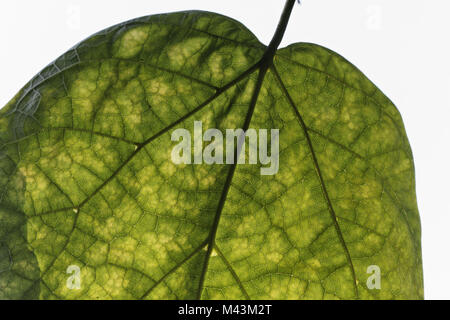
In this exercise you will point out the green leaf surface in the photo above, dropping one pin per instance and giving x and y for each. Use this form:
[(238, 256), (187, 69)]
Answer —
[(86, 176)]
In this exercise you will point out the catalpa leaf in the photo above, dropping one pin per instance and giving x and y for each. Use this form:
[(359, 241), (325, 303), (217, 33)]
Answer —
[(93, 207)]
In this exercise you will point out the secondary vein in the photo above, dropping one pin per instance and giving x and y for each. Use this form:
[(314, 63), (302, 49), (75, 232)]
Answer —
[(319, 175)]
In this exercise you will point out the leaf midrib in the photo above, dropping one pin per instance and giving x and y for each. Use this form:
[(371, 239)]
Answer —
[(263, 66), (231, 171)]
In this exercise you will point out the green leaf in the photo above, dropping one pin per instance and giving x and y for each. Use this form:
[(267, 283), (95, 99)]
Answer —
[(86, 177)]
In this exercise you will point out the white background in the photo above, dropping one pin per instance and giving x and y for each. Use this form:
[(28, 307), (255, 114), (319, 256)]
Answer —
[(403, 46)]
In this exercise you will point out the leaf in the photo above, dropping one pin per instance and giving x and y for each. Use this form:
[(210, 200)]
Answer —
[(86, 177)]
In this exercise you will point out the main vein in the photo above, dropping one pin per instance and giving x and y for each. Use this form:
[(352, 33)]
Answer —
[(263, 65), (226, 188)]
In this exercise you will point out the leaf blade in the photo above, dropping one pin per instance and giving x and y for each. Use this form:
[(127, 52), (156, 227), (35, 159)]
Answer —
[(90, 134)]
